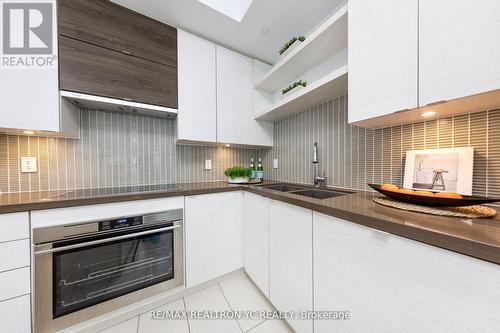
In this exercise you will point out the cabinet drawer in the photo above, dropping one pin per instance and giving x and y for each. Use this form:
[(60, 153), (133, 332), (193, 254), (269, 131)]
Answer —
[(90, 69), (14, 283), (14, 226), (15, 315), (117, 28), (14, 254)]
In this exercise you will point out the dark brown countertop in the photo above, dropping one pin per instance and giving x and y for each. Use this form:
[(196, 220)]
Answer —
[(478, 238)]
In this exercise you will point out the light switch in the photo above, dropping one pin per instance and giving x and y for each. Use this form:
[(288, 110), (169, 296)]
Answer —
[(275, 163), (28, 164), (208, 164)]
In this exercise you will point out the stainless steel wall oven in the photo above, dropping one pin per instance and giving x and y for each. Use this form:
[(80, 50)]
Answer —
[(84, 270)]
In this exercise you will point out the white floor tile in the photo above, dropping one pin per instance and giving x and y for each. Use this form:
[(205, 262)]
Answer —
[(129, 326), (210, 299), (272, 326), (148, 325), (243, 295)]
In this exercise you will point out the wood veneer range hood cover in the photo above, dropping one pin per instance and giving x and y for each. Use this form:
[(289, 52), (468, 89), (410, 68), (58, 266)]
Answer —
[(119, 105)]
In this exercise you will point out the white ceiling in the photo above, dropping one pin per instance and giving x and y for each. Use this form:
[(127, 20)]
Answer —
[(284, 18)]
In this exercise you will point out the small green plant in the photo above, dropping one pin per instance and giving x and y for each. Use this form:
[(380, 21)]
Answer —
[(293, 85), (290, 42), (237, 172)]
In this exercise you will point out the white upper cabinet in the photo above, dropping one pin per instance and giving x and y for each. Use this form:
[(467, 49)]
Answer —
[(197, 115), (216, 95), (459, 48), (382, 57), (235, 99), (30, 92), (262, 130)]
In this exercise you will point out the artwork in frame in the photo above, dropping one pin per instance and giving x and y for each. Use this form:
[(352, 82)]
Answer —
[(441, 170)]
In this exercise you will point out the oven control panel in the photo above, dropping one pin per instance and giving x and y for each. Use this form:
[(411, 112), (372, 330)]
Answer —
[(120, 223)]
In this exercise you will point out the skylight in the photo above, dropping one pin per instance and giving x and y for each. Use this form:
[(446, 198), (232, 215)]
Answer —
[(235, 9)]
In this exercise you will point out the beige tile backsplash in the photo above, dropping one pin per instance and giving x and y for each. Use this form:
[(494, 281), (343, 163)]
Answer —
[(121, 149)]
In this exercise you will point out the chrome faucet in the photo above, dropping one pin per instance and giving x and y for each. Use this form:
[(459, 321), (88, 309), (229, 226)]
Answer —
[(318, 180)]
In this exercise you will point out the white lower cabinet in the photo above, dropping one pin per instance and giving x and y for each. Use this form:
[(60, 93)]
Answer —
[(290, 263), (128, 326), (256, 239), (15, 315), (214, 235), (392, 284)]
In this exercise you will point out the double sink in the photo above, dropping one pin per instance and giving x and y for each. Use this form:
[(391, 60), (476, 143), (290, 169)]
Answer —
[(305, 191)]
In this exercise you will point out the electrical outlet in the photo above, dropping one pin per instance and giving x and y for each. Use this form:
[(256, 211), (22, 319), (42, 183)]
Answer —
[(28, 164), (208, 164), (275, 163)]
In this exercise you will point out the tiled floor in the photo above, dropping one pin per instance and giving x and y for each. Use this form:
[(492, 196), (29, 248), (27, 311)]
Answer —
[(237, 294)]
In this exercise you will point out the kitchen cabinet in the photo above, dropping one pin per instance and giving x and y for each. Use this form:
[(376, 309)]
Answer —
[(290, 261), (235, 99), (391, 284), (256, 239), (30, 95), (128, 326), (216, 95), (117, 28), (104, 72), (109, 51), (459, 48), (15, 315), (197, 118), (214, 236), (383, 62), (262, 130)]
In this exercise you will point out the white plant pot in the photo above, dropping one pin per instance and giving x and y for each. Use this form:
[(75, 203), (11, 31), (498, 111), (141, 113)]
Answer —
[(239, 180), (292, 91), (293, 46)]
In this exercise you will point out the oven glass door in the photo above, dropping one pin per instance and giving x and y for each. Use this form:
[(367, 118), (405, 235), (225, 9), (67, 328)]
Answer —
[(86, 276)]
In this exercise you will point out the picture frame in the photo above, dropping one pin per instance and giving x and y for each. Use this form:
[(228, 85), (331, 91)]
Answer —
[(440, 170)]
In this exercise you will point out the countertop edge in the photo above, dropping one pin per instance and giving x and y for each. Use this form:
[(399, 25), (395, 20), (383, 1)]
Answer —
[(463, 246)]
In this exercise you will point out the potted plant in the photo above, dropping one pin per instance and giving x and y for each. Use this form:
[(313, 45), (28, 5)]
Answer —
[(238, 174), (292, 88), (290, 45)]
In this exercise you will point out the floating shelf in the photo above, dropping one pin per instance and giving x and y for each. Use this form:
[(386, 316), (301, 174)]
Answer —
[(329, 86), (328, 39)]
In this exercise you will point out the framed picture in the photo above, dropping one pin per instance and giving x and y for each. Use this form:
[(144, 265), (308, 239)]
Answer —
[(442, 170)]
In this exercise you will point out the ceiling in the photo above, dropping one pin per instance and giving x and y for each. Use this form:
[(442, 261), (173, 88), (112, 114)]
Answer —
[(284, 18)]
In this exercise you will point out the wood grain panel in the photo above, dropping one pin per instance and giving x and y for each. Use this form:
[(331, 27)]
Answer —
[(90, 69), (109, 25)]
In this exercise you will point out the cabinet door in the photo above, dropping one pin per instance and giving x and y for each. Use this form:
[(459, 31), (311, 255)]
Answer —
[(262, 130), (197, 117), (392, 284), (235, 100), (214, 236), (90, 69), (382, 57), (109, 25), (290, 261), (15, 315), (459, 48), (256, 239), (30, 94)]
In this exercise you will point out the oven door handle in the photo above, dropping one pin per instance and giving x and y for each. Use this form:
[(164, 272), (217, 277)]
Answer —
[(102, 241)]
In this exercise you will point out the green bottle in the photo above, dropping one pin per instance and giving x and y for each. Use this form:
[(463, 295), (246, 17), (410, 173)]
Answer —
[(252, 167), (260, 170)]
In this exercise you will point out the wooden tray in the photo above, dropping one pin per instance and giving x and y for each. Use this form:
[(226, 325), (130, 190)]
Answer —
[(434, 201)]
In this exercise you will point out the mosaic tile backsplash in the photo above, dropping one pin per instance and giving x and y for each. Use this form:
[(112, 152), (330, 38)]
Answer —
[(352, 156), (114, 150), (121, 150)]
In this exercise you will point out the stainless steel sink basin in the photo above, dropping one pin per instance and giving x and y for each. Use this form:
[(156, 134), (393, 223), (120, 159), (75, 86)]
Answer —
[(319, 194), (284, 187), (316, 193)]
